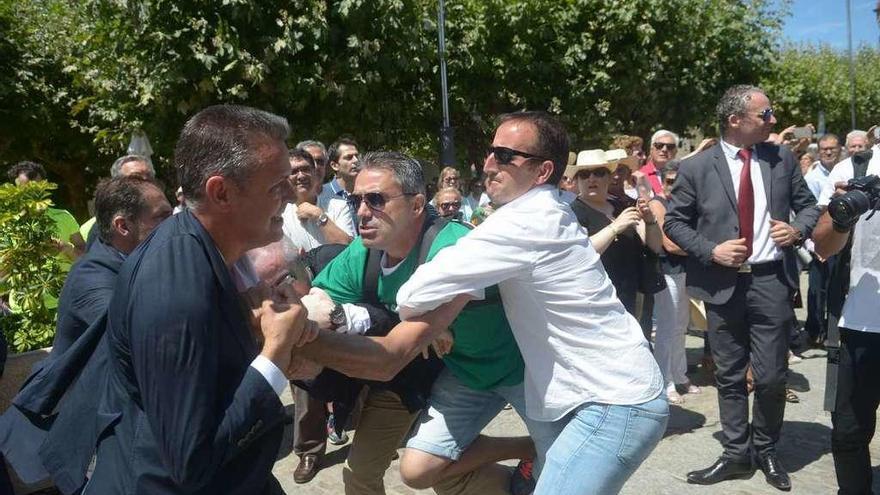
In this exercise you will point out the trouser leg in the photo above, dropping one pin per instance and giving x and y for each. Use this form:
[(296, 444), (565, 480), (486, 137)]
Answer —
[(310, 425)]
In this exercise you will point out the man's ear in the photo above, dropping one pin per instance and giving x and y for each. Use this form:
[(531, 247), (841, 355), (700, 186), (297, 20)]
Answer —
[(418, 203), (120, 226), (545, 171), (733, 120), (220, 192)]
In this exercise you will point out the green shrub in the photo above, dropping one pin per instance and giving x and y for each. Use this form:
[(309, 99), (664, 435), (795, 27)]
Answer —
[(29, 267)]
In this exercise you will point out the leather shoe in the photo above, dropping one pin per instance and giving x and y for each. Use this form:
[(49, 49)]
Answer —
[(774, 473), (306, 469), (723, 469)]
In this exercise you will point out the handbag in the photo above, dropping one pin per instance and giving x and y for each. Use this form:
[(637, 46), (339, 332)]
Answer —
[(651, 280)]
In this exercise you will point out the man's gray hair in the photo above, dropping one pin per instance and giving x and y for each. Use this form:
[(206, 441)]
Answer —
[(223, 140), (855, 135), (310, 143), (662, 133), (116, 168), (407, 170), (734, 101)]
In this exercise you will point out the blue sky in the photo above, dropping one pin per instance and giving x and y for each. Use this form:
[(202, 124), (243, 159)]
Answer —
[(824, 21)]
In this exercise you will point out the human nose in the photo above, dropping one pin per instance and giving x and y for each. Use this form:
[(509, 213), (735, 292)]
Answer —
[(490, 160)]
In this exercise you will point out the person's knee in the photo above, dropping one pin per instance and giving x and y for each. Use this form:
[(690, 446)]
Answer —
[(419, 470)]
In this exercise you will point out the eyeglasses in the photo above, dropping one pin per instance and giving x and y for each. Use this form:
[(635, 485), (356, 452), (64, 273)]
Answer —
[(585, 174), (766, 115), (668, 146), (375, 201), (450, 204), (449, 180), (504, 156), (669, 182)]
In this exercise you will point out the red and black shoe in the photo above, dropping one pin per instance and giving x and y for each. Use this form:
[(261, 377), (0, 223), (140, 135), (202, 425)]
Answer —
[(522, 482)]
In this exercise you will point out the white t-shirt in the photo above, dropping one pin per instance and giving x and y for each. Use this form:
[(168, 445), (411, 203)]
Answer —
[(578, 342), (864, 279)]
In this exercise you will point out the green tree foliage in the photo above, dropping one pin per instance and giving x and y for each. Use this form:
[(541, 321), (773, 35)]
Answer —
[(808, 79), (370, 68), (29, 267)]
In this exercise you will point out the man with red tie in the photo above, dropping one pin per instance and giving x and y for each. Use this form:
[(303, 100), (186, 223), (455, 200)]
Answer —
[(730, 210)]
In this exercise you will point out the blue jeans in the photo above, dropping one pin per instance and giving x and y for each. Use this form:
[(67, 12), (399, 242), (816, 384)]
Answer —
[(600, 447)]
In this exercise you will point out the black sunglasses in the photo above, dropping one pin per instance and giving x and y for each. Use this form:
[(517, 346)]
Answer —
[(669, 182), (504, 156), (450, 204), (766, 115), (668, 146), (375, 201), (598, 172)]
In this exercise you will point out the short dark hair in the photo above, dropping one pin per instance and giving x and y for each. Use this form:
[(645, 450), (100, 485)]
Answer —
[(122, 195), (406, 169), (301, 155), (333, 151), (734, 101), (33, 171), (221, 140), (553, 142), (829, 136)]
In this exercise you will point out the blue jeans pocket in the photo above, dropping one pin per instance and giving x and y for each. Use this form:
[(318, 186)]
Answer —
[(645, 425)]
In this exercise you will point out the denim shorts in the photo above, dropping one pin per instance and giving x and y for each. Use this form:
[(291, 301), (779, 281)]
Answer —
[(456, 414)]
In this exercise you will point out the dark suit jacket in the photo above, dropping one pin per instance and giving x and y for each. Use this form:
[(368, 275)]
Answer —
[(703, 213), (84, 299), (183, 412)]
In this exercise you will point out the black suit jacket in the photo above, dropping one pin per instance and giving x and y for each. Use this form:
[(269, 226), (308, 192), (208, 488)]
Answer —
[(84, 299), (183, 412), (703, 213)]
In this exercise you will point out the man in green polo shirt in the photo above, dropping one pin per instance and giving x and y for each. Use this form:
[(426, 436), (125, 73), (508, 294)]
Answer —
[(484, 369)]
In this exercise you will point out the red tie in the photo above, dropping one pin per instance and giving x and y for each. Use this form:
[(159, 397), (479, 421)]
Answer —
[(746, 200)]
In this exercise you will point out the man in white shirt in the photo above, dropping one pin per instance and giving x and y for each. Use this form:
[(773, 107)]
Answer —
[(858, 390), (306, 223), (586, 361)]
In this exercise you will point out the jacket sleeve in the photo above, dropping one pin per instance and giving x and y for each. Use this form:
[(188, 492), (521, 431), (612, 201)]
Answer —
[(803, 202), (681, 216), (177, 364)]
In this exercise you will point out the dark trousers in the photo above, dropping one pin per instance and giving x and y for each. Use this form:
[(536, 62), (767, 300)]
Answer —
[(817, 298), (752, 327), (855, 415), (310, 425)]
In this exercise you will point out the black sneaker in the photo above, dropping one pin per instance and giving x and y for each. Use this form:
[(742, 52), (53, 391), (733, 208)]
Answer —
[(522, 482)]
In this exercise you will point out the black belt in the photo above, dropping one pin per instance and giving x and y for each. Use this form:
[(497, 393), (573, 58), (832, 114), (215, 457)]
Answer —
[(760, 269)]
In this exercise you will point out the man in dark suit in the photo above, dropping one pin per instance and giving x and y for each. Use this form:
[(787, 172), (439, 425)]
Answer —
[(192, 403), (128, 209), (742, 264)]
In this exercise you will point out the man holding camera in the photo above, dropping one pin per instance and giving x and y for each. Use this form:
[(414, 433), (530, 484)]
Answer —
[(850, 196)]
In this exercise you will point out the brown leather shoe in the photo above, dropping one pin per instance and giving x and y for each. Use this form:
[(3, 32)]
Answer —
[(307, 469)]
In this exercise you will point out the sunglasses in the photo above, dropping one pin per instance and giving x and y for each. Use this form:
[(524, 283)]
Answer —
[(669, 182), (585, 174), (504, 156), (766, 115), (450, 204), (668, 146), (374, 200)]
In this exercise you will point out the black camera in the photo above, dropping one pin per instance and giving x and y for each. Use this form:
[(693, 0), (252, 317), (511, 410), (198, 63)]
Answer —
[(862, 194)]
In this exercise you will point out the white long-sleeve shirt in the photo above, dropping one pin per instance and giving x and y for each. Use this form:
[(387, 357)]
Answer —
[(578, 342)]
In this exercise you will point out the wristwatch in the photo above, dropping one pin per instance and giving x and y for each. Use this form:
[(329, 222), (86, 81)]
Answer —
[(322, 220), (337, 316)]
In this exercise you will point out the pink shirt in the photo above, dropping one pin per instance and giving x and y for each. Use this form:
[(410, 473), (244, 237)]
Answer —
[(653, 176)]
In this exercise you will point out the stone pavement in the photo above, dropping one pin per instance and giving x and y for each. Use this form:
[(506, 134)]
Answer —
[(691, 442)]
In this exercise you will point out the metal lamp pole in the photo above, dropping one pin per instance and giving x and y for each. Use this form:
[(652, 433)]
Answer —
[(447, 143)]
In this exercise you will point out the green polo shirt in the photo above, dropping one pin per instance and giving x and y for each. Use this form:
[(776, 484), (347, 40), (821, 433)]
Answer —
[(484, 354)]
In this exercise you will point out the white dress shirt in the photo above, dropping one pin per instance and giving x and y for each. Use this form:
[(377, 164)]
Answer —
[(816, 179), (333, 200), (578, 342), (763, 247), (860, 308)]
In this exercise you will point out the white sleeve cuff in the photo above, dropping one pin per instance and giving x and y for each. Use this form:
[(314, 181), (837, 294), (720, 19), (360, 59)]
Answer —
[(271, 373), (357, 318)]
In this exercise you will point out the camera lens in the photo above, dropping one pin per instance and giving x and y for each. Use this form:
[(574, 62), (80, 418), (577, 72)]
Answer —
[(846, 209)]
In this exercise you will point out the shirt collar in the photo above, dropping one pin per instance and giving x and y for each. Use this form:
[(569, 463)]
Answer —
[(731, 151), (336, 187)]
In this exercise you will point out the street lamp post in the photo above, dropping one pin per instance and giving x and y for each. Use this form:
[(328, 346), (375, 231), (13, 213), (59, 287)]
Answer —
[(447, 143)]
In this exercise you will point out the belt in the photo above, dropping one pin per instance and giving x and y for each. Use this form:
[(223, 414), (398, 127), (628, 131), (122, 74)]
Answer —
[(761, 268)]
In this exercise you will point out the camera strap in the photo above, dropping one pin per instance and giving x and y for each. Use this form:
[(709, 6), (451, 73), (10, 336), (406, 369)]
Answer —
[(838, 287)]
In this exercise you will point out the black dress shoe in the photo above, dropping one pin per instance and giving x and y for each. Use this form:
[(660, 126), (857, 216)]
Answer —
[(774, 472), (723, 469), (307, 469)]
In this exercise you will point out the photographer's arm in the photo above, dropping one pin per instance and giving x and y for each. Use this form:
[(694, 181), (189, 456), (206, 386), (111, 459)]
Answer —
[(828, 240)]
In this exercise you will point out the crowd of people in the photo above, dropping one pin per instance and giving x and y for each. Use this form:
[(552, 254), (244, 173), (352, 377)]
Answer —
[(553, 282)]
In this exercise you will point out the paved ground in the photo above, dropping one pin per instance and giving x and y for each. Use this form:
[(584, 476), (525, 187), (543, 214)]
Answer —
[(691, 442)]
